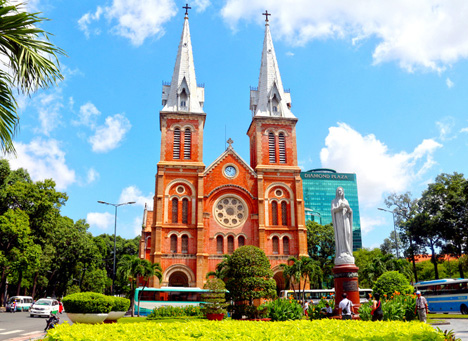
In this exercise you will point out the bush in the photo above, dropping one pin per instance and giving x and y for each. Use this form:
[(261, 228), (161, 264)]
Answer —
[(390, 282), (398, 307), (120, 303), (315, 310), (88, 303), (214, 300), (300, 330), (283, 310), (170, 311)]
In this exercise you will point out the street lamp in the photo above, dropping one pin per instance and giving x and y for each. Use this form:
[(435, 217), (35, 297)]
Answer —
[(115, 233), (394, 229)]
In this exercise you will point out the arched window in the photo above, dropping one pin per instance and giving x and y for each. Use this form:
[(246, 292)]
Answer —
[(173, 243), (274, 213), (187, 144), (176, 152), (175, 210), (240, 241), (185, 211), (286, 246), (275, 242), (184, 243), (282, 148), (183, 99), (230, 241), (271, 147), (284, 213), (220, 245)]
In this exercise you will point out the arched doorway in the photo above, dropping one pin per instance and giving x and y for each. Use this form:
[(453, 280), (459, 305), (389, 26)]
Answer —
[(280, 283), (178, 279)]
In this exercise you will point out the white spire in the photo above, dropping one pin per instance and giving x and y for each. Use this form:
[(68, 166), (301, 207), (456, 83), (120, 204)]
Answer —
[(270, 99), (183, 94)]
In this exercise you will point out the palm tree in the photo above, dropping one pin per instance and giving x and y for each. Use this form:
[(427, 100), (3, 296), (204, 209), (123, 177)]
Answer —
[(132, 267), (221, 269), (32, 63), (304, 269)]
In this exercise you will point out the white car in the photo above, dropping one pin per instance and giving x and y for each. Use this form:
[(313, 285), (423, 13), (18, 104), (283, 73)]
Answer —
[(44, 307)]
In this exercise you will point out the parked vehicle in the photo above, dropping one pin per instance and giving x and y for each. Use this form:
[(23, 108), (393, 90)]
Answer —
[(23, 303), (44, 307), (445, 295)]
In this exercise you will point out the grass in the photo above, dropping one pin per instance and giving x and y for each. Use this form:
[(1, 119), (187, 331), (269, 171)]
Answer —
[(161, 320), (447, 316)]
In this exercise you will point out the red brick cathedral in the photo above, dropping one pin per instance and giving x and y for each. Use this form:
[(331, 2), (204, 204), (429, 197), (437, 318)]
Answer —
[(203, 212)]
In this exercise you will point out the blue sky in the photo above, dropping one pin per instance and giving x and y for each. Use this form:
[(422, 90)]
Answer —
[(379, 88)]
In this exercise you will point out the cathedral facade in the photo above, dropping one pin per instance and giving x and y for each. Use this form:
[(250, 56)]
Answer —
[(201, 213)]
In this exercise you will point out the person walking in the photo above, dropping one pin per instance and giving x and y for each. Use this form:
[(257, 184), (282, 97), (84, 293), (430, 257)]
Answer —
[(306, 308), (377, 313), (421, 307), (345, 308)]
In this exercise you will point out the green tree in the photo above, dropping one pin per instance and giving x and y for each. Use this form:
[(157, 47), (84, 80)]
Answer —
[(321, 247), (249, 277), (390, 244), (303, 270), (148, 270), (362, 258), (32, 60), (392, 281)]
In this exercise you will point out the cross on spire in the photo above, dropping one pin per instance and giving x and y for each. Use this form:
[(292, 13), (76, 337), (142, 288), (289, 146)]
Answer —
[(266, 14), (230, 142), (186, 7)]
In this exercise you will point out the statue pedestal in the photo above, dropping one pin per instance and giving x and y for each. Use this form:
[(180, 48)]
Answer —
[(346, 281)]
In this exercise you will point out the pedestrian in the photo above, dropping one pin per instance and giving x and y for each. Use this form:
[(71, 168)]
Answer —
[(60, 307), (327, 311), (13, 306), (345, 308), (421, 307), (306, 308), (377, 313)]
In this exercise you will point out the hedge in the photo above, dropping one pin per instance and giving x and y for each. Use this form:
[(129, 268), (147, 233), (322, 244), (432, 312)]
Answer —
[(120, 303), (330, 330), (88, 302)]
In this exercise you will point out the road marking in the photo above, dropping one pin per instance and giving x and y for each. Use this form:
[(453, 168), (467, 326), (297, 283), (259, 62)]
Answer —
[(12, 331), (36, 332)]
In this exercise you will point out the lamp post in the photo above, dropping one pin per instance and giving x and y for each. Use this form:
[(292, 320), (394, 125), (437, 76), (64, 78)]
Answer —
[(115, 233), (394, 229)]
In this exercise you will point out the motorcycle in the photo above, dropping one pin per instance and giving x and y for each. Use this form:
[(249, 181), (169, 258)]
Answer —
[(51, 322)]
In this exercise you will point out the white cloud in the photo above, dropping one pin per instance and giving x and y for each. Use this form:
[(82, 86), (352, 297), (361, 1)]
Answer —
[(136, 20), (201, 5), (369, 223), (417, 34), (449, 83), (110, 135), (136, 226), (48, 106), (102, 221), (132, 193), (44, 160), (92, 175), (378, 171), (464, 130), (289, 54), (445, 127), (87, 116)]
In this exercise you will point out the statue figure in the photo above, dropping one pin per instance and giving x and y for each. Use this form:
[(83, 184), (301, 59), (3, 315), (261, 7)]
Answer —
[(342, 216)]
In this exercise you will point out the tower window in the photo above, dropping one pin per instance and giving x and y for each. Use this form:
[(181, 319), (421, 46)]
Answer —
[(275, 242), (240, 241), (282, 148), (175, 210), (284, 213), (274, 213), (184, 243), (187, 143), (286, 246), (271, 148), (230, 241), (183, 104), (176, 153), (275, 108), (219, 245), (173, 243), (184, 211)]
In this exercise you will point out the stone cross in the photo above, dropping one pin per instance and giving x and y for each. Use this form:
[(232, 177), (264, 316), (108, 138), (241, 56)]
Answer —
[(230, 142), (266, 14)]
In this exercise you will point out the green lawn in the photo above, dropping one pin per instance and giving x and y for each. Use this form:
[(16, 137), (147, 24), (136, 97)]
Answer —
[(447, 316), (162, 320)]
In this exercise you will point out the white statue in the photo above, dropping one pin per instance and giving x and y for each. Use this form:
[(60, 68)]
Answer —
[(342, 216)]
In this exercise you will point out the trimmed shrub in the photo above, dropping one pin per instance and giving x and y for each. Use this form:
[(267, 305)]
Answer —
[(120, 303), (283, 310), (88, 303), (215, 299), (390, 282), (170, 311), (398, 307), (315, 310)]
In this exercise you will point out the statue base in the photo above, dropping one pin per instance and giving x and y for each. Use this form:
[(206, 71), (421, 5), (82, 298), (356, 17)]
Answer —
[(346, 281)]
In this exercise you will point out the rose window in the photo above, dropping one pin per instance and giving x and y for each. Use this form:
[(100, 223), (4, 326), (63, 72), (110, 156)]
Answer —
[(230, 211)]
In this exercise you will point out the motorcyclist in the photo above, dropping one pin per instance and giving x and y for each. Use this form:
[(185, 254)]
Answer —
[(51, 322)]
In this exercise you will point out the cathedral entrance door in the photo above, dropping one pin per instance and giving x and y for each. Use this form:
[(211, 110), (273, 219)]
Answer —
[(178, 279)]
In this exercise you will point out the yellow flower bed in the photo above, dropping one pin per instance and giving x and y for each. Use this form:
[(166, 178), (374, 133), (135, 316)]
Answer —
[(248, 330)]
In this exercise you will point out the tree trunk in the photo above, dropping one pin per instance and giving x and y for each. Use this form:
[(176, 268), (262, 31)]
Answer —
[(413, 260), (434, 261), (20, 279), (33, 294)]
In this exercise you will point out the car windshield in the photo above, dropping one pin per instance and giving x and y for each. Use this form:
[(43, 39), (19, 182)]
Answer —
[(43, 302)]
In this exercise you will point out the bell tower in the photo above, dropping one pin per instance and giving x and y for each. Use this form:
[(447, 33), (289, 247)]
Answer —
[(273, 155)]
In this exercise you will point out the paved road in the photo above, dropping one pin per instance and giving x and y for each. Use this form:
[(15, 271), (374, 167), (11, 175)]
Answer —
[(19, 326), (459, 326)]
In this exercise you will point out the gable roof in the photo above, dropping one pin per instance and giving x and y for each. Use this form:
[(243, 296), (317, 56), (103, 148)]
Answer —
[(229, 151)]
